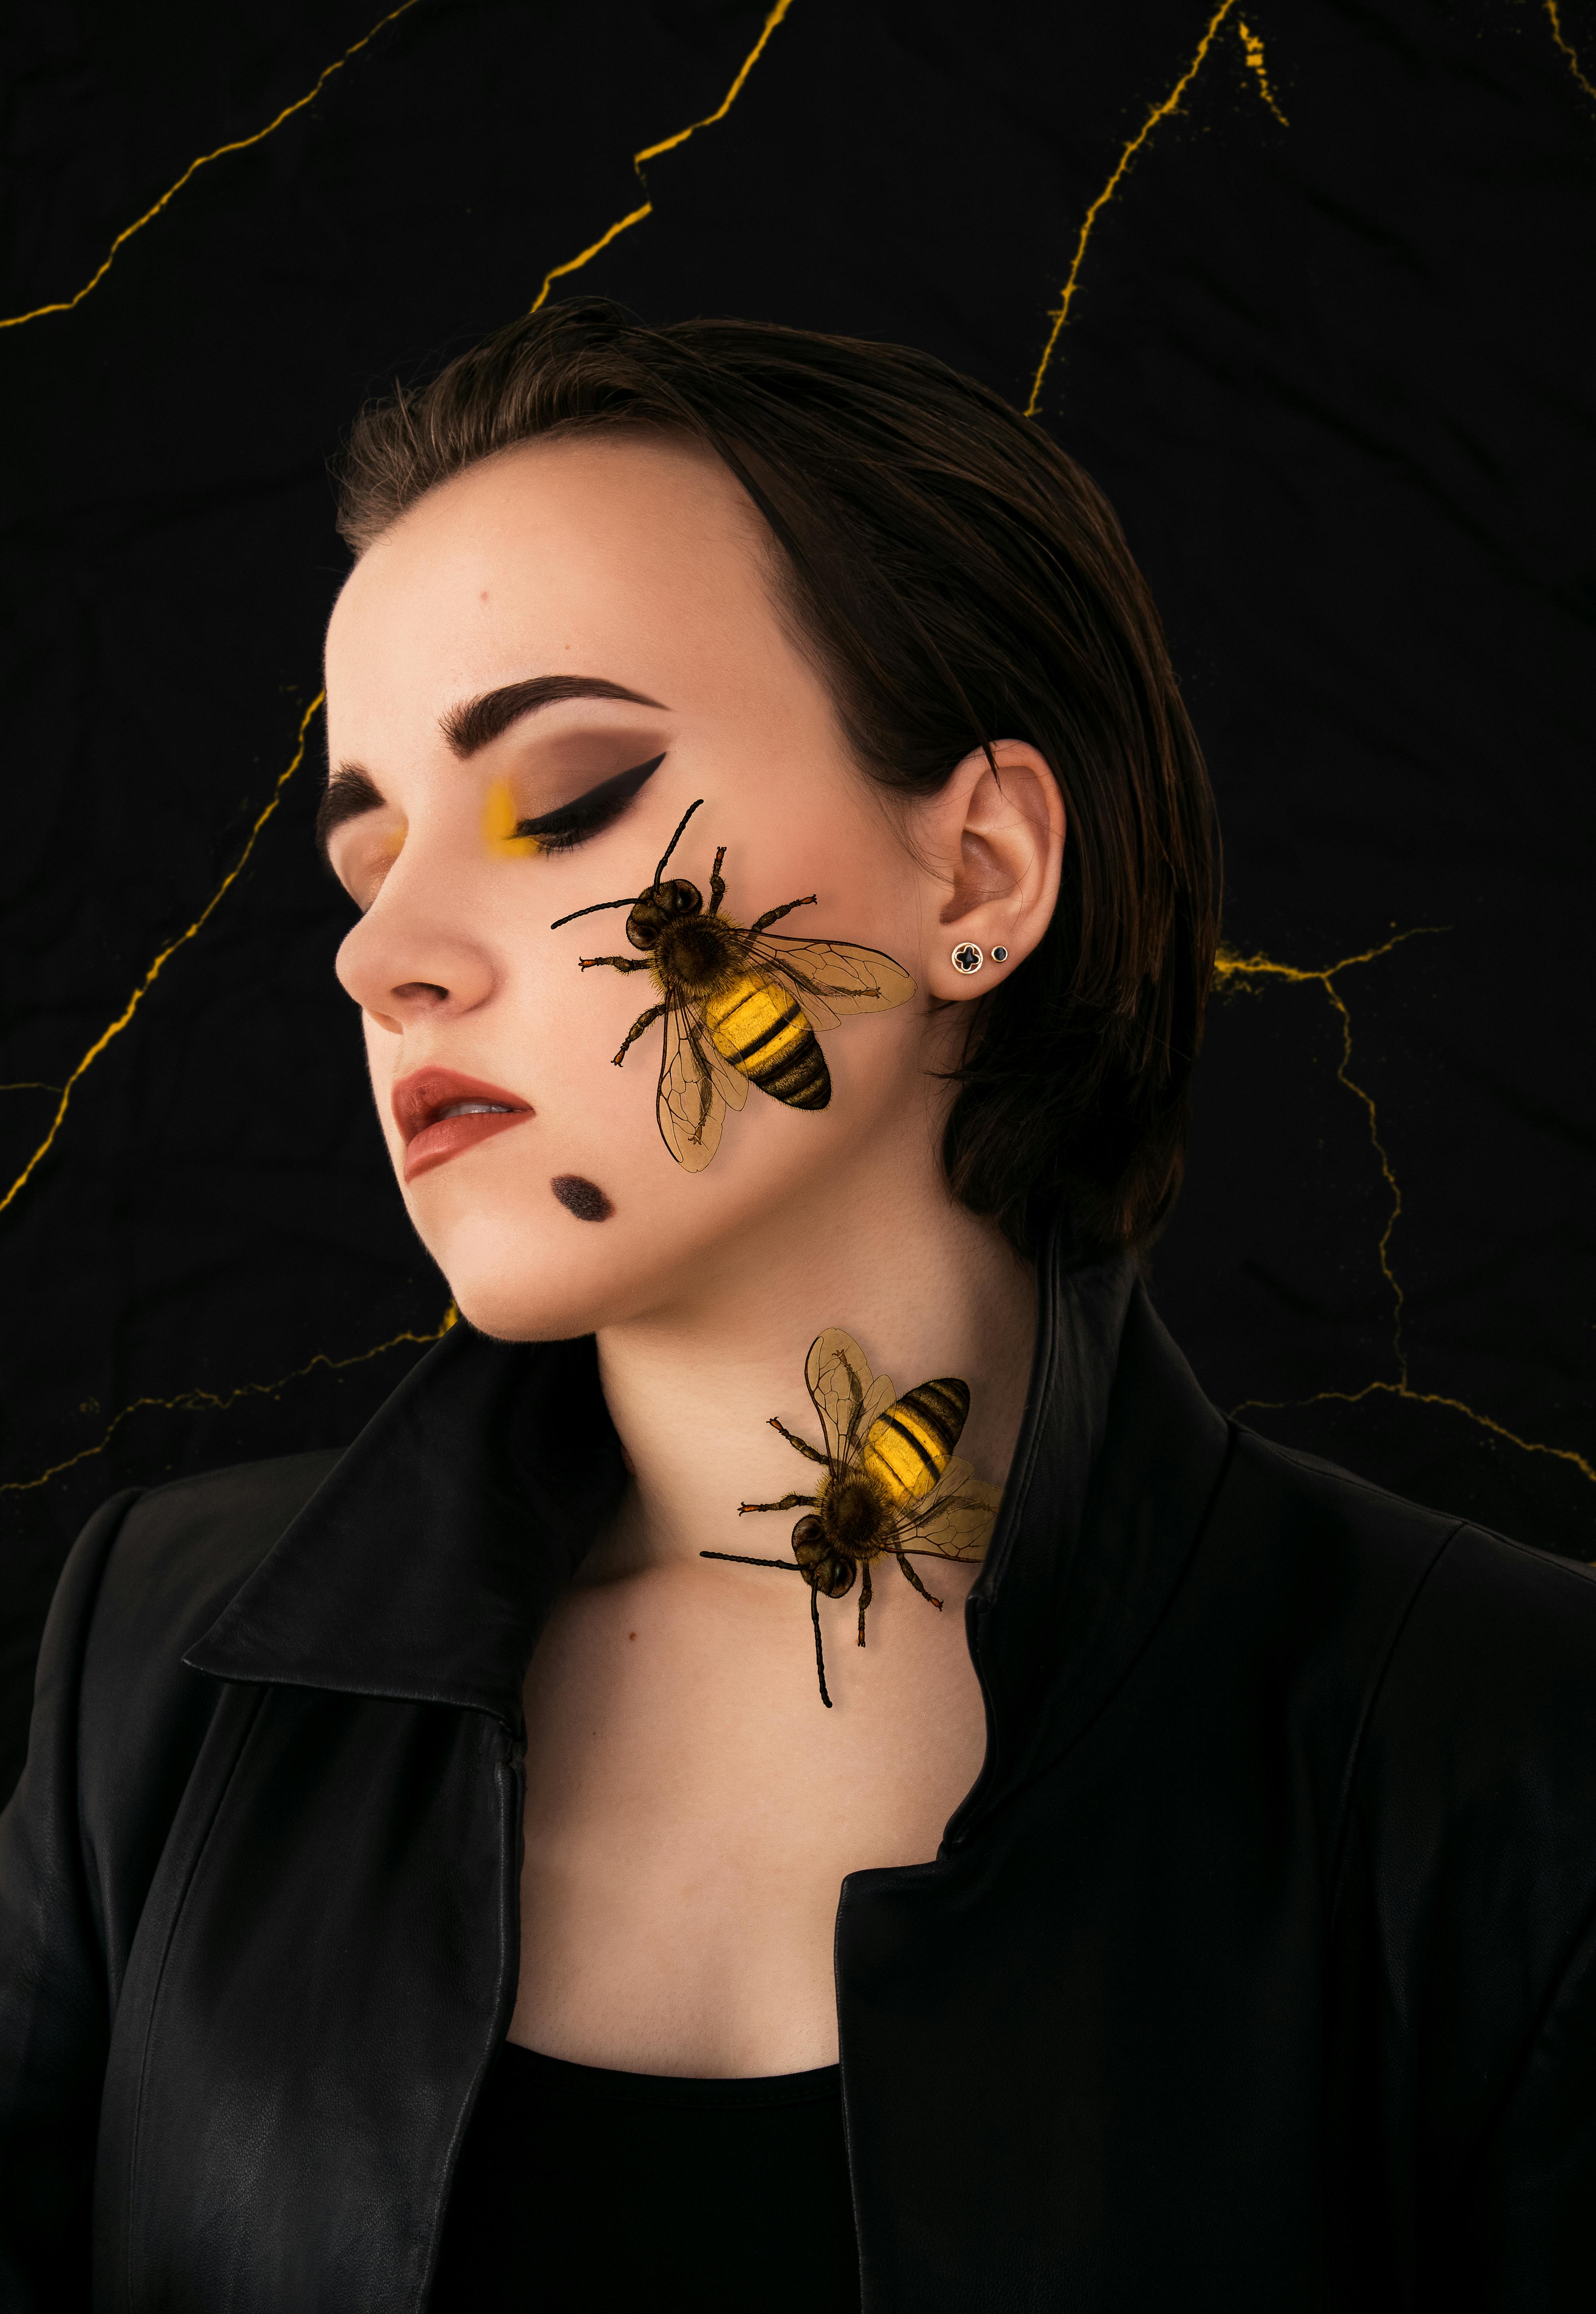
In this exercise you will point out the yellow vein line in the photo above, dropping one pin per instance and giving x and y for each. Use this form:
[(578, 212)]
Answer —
[(1403, 1389), (1160, 112), (1229, 966), (30, 1084), (665, 145), (575, 264), (151, 976), (1242, 969), (1567, 46), (210, 1402), (1255, 63), (239, 144), (669, 144)]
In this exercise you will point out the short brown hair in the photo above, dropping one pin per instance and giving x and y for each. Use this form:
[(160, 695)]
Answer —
[(961, 581)]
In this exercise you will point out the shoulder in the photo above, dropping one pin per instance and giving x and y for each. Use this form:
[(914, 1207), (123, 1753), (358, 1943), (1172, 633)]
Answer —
[(179, 1554), (182, 1549), (1445, 1599), (1463, 1669), (118, 1719)]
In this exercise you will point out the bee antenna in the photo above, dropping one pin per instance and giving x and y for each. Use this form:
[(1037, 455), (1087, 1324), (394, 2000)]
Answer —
[(670, 847), (599, 906), (597, 909)]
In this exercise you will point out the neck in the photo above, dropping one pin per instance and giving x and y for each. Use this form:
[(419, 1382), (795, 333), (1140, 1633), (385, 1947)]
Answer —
[(930, 1291)]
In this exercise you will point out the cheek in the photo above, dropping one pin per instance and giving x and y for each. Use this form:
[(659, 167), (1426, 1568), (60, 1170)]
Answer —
[(517, 1224)]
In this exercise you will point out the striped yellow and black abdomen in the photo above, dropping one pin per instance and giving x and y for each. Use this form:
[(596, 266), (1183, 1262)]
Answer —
[(759, 1027), (907, 1449)]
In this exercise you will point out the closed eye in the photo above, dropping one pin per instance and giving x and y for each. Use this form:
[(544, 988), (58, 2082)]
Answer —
[(586, 815)]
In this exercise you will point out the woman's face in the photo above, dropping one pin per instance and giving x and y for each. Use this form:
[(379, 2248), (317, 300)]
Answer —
[(634, 566)]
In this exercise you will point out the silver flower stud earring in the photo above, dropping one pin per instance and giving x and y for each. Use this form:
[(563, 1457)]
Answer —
[(967, 957)]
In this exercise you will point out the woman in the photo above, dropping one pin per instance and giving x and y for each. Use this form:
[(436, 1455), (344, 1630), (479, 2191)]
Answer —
[(471, 1869)]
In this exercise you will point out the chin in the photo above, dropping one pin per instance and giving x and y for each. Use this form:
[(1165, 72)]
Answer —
[(520, 1265), (523, 1266), (547, 1275), (523, 1284)]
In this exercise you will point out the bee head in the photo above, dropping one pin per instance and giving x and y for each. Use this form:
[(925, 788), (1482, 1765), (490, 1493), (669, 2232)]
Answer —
[(662, 905), (831, 1574)]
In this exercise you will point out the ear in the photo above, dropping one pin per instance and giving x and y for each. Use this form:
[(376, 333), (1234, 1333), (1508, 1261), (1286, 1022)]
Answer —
[(995, 847)]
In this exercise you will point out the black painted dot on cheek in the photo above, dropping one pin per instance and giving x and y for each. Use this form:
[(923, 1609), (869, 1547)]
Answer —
[(582, 1197)]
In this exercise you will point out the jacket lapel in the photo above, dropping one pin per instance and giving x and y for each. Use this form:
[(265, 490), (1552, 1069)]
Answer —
[(1118, 1458), (423, 1567)]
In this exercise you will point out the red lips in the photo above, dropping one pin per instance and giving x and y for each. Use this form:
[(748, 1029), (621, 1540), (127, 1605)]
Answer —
[(430, 1137)]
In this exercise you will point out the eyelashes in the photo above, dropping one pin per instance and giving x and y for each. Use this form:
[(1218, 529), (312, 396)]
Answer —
[(587, 816)]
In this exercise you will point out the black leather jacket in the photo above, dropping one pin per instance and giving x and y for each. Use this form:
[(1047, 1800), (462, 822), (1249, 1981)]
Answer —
[(1256, 1972)]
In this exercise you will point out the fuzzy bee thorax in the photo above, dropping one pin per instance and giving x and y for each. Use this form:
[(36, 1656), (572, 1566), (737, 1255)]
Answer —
[(855, 1515), (695, 951)]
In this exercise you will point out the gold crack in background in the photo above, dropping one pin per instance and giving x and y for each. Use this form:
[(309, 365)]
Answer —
[(1567, 46), (652, 153), (239, 144), (91, 1056), (189, 932), (1255, 64), (1161, 112), (211, 1401), (1245, 972)]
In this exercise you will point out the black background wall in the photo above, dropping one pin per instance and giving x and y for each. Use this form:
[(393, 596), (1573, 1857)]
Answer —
[(1329, 349)]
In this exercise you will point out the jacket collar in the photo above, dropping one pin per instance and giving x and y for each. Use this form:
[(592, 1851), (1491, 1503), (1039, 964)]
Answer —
[(424, 1566), (1118, 1459)]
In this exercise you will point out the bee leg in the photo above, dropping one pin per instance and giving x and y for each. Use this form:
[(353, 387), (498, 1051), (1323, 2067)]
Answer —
[(802, 1445), (913, 1579), (770, 915), (786, 1503), (644, 1020), (819, 1650), (864, 1600), (620, 963), (717, 883)]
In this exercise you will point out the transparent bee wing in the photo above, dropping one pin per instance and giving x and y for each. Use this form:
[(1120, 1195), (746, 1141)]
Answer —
[(877, 1399), (956, 1519), (847, 1395), (833, 977), (695, 1087)]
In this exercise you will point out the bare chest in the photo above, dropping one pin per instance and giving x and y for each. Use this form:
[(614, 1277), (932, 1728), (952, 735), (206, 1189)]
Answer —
[(692, 1809)]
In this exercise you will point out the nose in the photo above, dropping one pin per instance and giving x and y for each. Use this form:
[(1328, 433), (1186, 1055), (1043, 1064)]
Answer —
[(405, 965)]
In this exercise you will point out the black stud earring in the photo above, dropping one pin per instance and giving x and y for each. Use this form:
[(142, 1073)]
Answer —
[(999, 956), (968, 957)]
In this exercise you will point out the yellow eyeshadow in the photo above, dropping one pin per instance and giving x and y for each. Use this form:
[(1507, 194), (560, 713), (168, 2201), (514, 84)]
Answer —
[(500, 820)]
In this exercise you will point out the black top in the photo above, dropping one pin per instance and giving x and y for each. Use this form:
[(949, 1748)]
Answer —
[(1257, 1972), (723, 2195)]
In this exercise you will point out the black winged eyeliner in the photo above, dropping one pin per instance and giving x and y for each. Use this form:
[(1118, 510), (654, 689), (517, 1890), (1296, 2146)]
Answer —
[(570, 824)]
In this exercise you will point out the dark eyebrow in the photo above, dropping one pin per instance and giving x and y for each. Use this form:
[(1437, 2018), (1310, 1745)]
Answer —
[(347, 794), (476, 721)]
